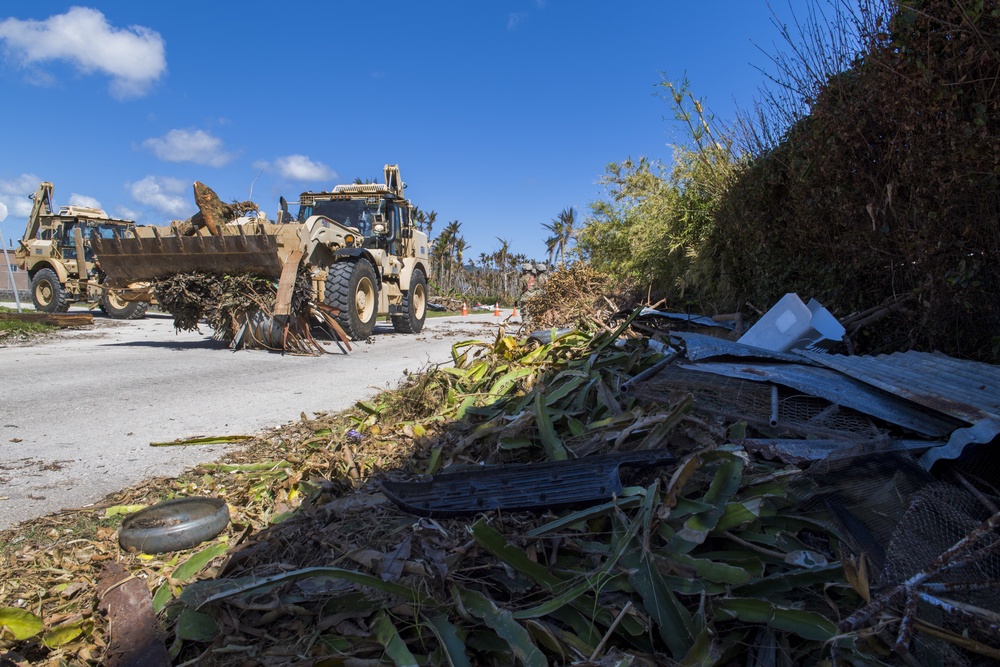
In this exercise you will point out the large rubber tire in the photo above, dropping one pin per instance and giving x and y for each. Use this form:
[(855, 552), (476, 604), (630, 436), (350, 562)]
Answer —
[(117, 309), (352, 287), (414, 306), (47, 293)]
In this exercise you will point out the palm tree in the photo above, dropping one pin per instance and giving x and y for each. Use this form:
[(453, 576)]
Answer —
[(428, 222), (503, 252), (460, 247), (551, 245), (451, 239), (562, 229)]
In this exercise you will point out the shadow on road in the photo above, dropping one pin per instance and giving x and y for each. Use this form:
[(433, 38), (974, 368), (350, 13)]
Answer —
[(206, 343)]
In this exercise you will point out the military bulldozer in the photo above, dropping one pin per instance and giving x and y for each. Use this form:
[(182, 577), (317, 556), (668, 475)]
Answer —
[(365, 256), (58, 256)]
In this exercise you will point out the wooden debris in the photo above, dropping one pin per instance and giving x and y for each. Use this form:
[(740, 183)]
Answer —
[(241, 308), (62, 320), (576, 296), (212, 213), (136, 637)]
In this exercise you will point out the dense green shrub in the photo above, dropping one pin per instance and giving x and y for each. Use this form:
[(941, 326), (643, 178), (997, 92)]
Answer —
[(888, 187)]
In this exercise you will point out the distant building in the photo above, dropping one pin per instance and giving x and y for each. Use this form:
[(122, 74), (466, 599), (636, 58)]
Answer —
[(20, 277)]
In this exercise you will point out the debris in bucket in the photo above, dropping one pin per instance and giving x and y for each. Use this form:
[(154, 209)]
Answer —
[(239, 309)]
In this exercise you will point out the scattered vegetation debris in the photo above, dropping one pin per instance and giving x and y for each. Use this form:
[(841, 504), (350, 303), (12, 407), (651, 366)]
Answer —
[(720, 556), (577, 296), (206, 440)]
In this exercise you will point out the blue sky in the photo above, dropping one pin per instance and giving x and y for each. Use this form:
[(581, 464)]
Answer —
[(500, 114)]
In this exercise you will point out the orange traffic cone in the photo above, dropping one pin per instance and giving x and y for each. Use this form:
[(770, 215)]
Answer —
[(465, 309), (514, 314), (496, 309)]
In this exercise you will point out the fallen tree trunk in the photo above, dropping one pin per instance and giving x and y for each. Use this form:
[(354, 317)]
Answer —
[(212, 212)]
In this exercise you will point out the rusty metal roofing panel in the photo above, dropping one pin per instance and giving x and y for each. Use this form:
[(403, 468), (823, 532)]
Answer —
[(966, 390)]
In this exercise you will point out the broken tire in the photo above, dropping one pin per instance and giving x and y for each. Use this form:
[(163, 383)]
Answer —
[(47, 293), (352, 287), (115, 308), (174, 525), (414, 306)]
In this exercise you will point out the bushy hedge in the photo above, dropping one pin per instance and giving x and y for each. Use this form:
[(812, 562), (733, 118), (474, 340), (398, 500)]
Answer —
[(888, 187)]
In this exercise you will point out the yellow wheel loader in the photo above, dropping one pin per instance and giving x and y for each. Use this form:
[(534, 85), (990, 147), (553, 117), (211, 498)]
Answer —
[(58, 256), (365, 256)]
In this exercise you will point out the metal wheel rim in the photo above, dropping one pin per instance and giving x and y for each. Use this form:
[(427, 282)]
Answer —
[(44, 293), (364, 299), (115, 302), (419, 300)]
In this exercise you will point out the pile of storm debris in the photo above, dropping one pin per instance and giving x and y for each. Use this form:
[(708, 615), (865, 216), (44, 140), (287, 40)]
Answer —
[(240, 306), (666, 489)]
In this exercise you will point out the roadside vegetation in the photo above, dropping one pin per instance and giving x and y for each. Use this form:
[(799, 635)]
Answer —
[(18, 331), (866, 175)]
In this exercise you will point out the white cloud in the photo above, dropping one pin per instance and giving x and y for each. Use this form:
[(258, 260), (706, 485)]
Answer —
[(301, 168), (125, 213), (162, 193), (515, 18), (134, 57), (195, 146), (83, 200), (14, 193)]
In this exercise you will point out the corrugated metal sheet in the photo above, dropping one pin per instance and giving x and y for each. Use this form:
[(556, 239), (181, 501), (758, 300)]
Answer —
[(836, 388), (966, 390)]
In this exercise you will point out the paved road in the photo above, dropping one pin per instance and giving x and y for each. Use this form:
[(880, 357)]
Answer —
[(79, 409)]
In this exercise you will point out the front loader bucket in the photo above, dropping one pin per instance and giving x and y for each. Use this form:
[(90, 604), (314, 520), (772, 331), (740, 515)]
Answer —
[(142, 259)]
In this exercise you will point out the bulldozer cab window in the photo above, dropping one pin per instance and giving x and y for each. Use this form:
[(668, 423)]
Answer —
[(68, 243), (348, 212)]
